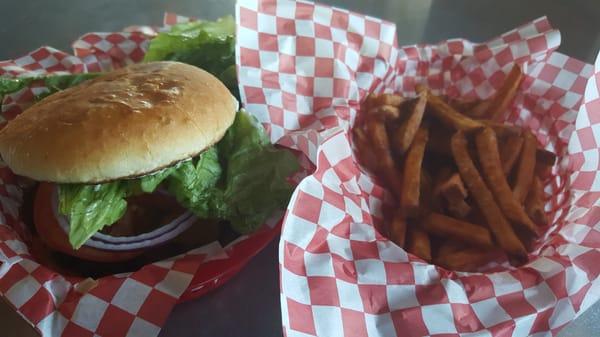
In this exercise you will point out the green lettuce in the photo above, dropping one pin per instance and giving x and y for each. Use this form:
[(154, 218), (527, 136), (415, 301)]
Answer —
[(256, 174), (54, 83), (209, 45), (242, 179), (91, 207), (193, 184)]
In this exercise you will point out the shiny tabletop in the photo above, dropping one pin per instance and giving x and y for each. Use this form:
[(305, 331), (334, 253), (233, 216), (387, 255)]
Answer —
[(249, 304)]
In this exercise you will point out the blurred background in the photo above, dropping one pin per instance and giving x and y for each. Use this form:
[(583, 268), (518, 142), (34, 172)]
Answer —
[(249, 304), (29, 24)]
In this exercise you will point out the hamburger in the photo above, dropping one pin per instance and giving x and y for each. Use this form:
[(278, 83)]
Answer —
[(130, 160)]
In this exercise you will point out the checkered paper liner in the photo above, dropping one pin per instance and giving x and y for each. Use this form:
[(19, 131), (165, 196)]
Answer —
[(134, 304), (304, 68)]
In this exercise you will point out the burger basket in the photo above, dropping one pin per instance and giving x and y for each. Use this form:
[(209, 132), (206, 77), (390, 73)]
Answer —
[(305, 68), (131, 304)]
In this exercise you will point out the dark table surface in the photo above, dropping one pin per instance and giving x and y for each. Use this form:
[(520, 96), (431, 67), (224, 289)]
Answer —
[(249, 304)]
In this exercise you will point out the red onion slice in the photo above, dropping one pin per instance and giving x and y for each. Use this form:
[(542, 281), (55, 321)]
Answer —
[(156, 237)]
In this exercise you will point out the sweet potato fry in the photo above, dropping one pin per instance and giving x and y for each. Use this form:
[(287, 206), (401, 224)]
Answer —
[(489, 159), (525, 168), (384, 112), (453, 191), (505, 95), (452, 187), (479, 110), (501, 100), (411, 175), (384, 99), (466, 259), (427, 201), (407, 131), (463, 106), (484, 199), (458, 207), (448, 115), (449, 246), (438, 140), (441, 225), (418, 243), (397, 228), (366, 155), (509, 153), (503, 130), (544, 162), (545, 157), (381, 148), (534, 203)]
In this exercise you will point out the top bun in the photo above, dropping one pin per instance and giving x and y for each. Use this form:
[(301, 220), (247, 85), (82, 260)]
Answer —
[(126, 123)]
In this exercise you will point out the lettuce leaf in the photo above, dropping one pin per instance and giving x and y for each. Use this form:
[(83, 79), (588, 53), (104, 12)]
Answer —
[(54, 83), (91, 207), (10, 85), (57, 83), (250, 188), (256, 174), (193, 184), (209, 45)]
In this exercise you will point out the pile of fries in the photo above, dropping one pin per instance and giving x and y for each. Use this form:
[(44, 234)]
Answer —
[(468, 188)]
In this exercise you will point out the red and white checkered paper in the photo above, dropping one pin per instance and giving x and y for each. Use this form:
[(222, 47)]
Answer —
[(304, 68), (134, 304)]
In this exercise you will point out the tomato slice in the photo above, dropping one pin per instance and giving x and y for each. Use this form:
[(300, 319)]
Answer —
[(53, 235)]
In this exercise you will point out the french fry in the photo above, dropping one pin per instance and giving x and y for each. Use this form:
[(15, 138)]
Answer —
[(411, 175), (443, 174), (505, 95), (493, 107), (463, 106), (449, 246), (534, 203), (509, 153), (407, 131), (397, 228), (453, 191), (381, 148), (438, 140), (452, 187), (418, 243), (489, 159), (441, 225), (466, 259), (385, 112), (545, 157), (525, 168), (484, 199), (545, 160), (503, 130), (448, 115), (383, 99), (366, 155), (479, 110), (427, 201), (458, 207)]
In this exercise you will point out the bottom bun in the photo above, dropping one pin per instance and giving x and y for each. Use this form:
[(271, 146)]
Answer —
[(54, 236)]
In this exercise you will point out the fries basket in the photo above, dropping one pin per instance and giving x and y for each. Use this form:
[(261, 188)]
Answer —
[(304, 68), (131, 304)]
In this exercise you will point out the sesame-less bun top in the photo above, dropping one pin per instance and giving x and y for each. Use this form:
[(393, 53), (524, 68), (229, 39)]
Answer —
[(126, 123)]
